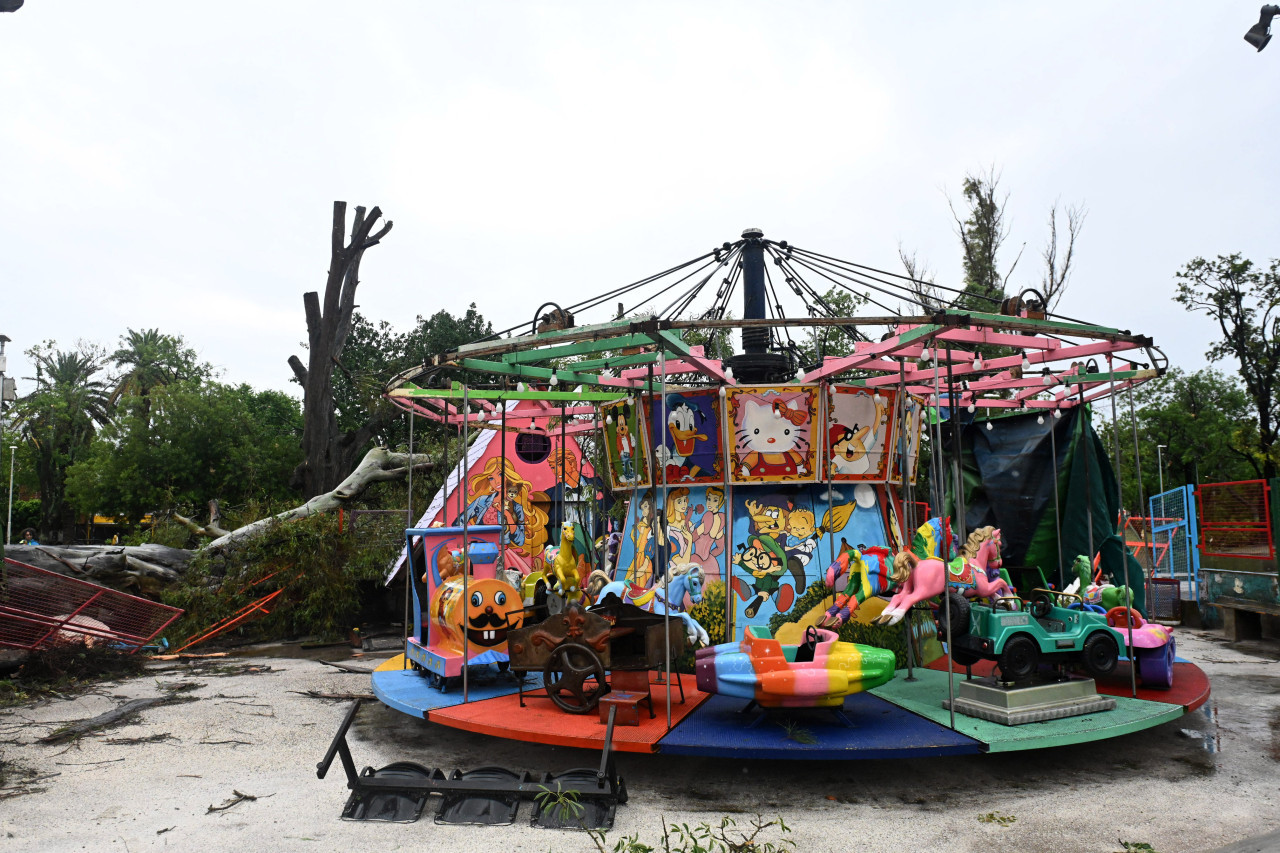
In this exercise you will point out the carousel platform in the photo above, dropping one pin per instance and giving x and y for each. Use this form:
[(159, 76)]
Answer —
[(900, 719)]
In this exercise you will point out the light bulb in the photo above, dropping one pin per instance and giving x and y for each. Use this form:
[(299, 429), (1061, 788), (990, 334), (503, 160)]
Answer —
[(924, 354), (1039, 419), (1048, 379), (1026, 362), (1057, 413), (609, 419), (972, 408), (555, 380), (990, 425), (520, 387), (977, 362)]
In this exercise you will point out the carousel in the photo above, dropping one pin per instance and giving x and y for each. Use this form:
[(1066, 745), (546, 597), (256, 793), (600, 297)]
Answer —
[(652, 545)]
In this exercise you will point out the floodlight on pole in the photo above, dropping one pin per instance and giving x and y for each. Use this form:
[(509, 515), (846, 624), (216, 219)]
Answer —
[(1260, 33)]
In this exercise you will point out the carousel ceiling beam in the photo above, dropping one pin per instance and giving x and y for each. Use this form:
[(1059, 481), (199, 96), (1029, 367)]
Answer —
[(615, 362), (672, 342), (577, 348), (865, 354), (530, 372), (456, 393)]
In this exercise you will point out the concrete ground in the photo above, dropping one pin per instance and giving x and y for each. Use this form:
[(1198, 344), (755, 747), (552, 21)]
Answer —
[(1207, 780)]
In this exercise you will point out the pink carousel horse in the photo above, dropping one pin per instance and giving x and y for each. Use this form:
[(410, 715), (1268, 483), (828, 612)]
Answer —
[(930, 577)]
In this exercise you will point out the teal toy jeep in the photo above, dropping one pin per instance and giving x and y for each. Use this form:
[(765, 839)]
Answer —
[(1018, 635)]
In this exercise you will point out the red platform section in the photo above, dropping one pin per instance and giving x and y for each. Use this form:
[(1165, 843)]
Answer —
[(541, 721), (1190, 686)]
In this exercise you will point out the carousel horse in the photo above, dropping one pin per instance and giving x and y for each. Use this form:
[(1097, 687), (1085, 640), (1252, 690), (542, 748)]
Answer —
[(865, 572), (666, 595), (932, 577)]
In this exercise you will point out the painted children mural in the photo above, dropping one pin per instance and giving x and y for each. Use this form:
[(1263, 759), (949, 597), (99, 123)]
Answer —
[(859, 433), (771, 433), (524, 523), (666, 539), (689, 447), (626, 445), (784, 538)]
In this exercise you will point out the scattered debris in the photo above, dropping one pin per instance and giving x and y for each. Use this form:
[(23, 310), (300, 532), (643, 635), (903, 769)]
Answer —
[(111, 718), (131, 741), (347, 697), (236, 799), (346, 667)]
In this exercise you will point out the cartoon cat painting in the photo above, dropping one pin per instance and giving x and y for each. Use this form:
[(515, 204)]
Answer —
[(773, 436)]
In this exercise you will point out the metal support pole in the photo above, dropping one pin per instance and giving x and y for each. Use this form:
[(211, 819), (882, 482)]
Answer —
[(8, 536), (506, 534), (1147, 535), (960, 525), (466, 523), (1088, 473), (666, 509), (1057, 510), (409, 567)]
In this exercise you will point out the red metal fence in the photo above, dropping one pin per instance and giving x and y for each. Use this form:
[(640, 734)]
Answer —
[(39, 607), (1235, 520)]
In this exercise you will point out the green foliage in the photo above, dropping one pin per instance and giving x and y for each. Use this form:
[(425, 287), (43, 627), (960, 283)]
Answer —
[(993, 817), (68, 668), (1136, 847), (710, 614), (57, 422), (1244, 301), (323, 573), (796, 732), (151, 360), (724, 837), (185, 444), (831, 341), (1204, 421)]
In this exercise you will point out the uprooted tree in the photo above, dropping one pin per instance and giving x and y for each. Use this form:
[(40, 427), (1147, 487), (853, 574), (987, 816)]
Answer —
[(329, 452)]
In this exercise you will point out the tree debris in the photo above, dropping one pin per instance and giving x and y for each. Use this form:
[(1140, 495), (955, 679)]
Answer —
[(111, 718), (236, 799), (346, 697)]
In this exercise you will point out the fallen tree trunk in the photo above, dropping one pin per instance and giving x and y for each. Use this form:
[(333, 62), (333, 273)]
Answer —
[(110, 718), (378, 466), (142, 567)]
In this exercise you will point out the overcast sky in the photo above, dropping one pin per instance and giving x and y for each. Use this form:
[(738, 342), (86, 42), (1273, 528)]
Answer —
[(173, 164)]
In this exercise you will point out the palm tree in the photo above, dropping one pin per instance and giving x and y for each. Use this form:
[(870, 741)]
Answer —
[(59, 420), (152, 360)]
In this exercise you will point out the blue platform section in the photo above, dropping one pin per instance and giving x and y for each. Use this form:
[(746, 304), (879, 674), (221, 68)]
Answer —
[(410, 692), (880, 730)]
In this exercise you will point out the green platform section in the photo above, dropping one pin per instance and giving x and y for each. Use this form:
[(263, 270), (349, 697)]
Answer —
[(924, 697)]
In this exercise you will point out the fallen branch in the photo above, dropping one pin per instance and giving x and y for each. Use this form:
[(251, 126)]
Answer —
[(130, 741), (378, 466), (111, 718), (346, 667), (236, 799), (227, 743), (315, 694)]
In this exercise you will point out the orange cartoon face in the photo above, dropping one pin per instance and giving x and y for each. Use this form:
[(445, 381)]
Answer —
[(488, 605)]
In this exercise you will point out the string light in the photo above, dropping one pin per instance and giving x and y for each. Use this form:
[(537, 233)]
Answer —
[(555, 380), (925, 355), (1039, 419), (977, 362), (1057, 413), (1026, 362), (990, 426)]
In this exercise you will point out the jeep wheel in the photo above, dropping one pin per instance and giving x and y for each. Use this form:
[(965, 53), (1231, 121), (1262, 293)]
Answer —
[(1020, 658), (959, 616), (1100, 654)]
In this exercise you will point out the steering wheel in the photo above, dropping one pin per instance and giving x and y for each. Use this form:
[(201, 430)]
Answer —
[(811, 636), (1041, 605), (1123, 617)]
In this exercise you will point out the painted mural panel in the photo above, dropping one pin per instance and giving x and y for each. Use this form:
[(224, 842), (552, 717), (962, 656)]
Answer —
[(690, 446), (687, 528), (858, 439), (770, 433), (626, 445), (911, 422), (785, 537)]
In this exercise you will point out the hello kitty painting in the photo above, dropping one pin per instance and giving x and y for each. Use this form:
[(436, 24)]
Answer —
[(770, 433)]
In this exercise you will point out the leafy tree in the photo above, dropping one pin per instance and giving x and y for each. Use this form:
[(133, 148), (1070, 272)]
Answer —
[(833, 341), (1244, 301), (57, 422), (198, 442)]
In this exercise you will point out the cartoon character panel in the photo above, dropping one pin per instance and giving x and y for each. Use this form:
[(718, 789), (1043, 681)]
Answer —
[(690, 446), (770, 433), (859, 433), (784, 539), (911, 422), (626, 445), (688, 528)]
